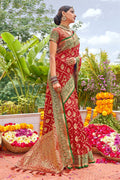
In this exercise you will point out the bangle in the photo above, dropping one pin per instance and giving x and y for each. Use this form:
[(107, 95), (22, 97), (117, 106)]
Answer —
[(55, 82), (54, 79)]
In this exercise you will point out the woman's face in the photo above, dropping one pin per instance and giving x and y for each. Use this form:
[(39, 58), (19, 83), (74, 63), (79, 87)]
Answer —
[(70, 15)]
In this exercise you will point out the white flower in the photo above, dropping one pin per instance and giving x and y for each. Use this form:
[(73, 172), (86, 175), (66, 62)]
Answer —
[(111, 144), (114, 148)]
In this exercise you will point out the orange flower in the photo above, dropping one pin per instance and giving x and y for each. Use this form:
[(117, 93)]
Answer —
[(111, 96), (114, 114), (98, 96), (41, 123), (88, 108), (1, 128), (23, 125), (13, 127), (10, 128), (31, 126)]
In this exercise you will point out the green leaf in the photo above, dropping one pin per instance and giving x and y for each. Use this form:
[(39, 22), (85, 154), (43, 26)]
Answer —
[(13, 44), (35, 70), (34, 40), (24, 65), (34, 51)]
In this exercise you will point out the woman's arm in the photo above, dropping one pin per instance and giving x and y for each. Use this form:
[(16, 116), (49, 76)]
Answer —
[(52, 50)]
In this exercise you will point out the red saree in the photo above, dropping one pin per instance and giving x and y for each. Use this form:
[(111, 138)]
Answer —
[(64, 141)]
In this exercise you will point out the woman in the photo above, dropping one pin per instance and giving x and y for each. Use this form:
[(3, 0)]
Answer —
[(64, 142)]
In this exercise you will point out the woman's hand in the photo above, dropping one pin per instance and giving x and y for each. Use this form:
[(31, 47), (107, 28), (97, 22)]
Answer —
[(57, 87), (71, 61)]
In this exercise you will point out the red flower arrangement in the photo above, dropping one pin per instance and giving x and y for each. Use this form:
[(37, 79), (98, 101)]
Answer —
[(97, 135), (23, 137)]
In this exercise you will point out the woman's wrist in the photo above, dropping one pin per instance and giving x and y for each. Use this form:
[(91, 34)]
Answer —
[(54, 79)]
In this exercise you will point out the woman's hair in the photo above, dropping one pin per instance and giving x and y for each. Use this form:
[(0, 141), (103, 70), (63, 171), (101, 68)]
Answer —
[(58, 17)]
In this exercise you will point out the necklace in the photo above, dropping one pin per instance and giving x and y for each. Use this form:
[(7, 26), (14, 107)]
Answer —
[(69, 31)]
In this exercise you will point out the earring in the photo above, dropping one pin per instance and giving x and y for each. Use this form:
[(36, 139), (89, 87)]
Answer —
[(64, 18)]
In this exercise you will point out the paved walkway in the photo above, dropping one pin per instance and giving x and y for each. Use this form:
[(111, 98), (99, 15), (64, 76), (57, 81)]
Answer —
[(101, 171)]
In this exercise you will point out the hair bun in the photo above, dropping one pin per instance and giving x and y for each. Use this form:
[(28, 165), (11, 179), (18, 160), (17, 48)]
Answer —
[(57, 20)]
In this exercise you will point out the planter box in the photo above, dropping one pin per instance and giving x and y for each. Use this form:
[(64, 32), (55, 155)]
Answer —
[(34, 118), (30, 118), (84, 113), (117, 115)]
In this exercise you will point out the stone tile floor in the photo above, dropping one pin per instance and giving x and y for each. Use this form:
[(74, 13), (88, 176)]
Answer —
[(95, 171)]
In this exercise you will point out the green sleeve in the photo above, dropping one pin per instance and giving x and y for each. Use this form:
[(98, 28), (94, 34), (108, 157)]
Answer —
[(54, 36)]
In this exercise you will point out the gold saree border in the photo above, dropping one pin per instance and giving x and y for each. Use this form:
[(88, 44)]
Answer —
[(60, 124), (68, 89), (83, 160)]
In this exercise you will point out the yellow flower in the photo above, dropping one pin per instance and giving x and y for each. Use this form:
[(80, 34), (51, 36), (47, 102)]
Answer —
[(88, 116), (31, 126), (17, 126), (86, 123), (41, 128), (5, 129), (111, 101), (104, 113), (28, 126), (42, 112), (42, 117)]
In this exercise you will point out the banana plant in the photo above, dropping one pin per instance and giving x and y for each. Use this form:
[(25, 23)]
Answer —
[(21, 60)]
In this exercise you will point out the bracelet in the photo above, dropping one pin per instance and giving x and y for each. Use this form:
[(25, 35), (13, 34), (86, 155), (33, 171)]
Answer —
[(54, 79), (55, 82)]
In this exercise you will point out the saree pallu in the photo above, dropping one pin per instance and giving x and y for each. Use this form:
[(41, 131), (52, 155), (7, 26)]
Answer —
[(64, 141)]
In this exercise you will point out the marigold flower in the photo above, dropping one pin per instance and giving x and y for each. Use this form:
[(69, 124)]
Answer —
[(10, 128), (98, 96), (104, 113), (23, 125), (5, 129), (41, 128), (86, 123), (42, 117), (114, 114), (88, 108), (111, 96), (111, 101), (88, 116), (41, 122), (31, 126)]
